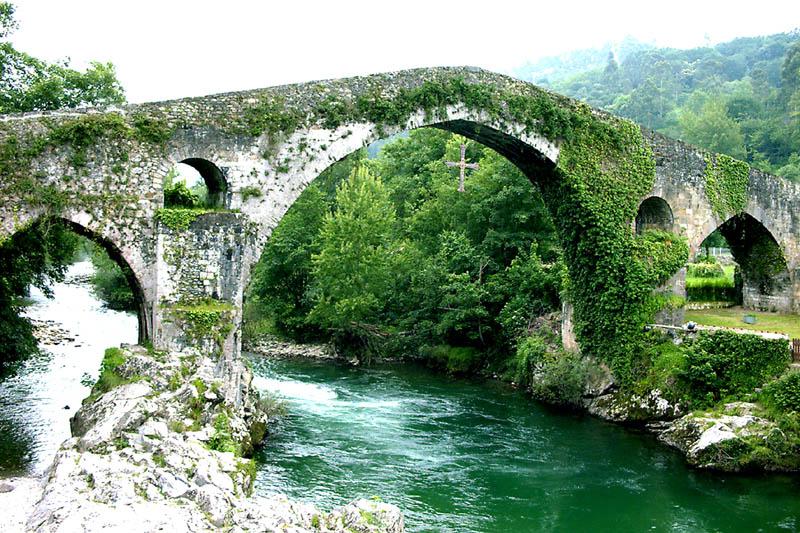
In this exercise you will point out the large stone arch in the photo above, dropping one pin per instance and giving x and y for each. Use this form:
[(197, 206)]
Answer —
[(766, 279), (532, 153), (81, 224), (535, 155)]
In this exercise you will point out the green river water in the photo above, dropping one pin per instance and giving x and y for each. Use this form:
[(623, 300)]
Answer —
[(455, 455), (463, 456)]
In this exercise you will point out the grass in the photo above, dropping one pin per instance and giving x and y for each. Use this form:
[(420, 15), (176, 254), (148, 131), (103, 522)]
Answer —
[(714, 289), (731, 317), (727, 281)]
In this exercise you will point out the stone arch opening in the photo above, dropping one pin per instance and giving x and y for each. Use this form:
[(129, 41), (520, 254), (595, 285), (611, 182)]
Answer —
[(116, 255), (196, 182), (654, 213), (534, 165), (762, 281)]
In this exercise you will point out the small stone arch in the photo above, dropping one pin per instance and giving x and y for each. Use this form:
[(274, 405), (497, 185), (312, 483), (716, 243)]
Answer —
[(215, 180), (654, 213)]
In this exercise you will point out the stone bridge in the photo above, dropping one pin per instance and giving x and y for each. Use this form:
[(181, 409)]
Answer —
[(102, 171)]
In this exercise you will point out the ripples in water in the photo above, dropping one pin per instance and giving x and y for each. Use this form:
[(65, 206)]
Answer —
[(34, 395), (463, 456)]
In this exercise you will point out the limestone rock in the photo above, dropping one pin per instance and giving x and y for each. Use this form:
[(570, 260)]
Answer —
[(632, 408), (367, 516), (130, 468), (102, 420), (733, 440), (600, 381), (214, 502)]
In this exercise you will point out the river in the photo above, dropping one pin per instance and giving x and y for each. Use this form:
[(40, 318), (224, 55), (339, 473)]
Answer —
[(473, 456), (34, 418), (455, 455)]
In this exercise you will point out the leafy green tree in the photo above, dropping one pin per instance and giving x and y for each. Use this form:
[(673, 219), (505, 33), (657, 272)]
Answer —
[(278, 298), (528, 288), (708, 125), (38, 256), (109, 281), (353, 271), (30, 84), (790, 71), (280, 289)]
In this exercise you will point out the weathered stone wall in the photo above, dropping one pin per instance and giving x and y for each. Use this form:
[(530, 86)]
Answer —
[(773, 202)]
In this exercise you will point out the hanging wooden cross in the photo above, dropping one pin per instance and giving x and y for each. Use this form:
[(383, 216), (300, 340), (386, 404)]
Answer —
[(462, 165)]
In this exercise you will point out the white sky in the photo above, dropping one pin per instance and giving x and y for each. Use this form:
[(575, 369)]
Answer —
[(172, 48)]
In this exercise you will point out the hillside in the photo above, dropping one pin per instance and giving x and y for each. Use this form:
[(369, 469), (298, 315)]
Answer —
[(740, 97)]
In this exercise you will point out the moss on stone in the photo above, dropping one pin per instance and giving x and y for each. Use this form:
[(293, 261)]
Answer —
[(207, 319), (178, 218), (726, 181)]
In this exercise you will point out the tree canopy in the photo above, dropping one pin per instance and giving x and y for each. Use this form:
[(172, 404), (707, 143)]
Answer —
[(31, 84), (741, 98)]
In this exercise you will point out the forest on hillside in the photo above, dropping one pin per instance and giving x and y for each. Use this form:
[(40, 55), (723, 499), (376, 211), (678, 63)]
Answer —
[(741, 98)]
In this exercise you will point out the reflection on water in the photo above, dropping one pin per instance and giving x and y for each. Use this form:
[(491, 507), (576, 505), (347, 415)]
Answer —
[(464, 456), (39, 396)]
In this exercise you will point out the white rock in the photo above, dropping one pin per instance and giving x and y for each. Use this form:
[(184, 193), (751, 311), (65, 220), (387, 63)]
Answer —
[(173, 486), (213, 501), (113, 412), (209, 473), (154, 428), (717, 433)]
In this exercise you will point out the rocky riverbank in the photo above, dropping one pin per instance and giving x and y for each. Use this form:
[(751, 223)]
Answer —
[(161, 444), (731, 439), (270, 346)]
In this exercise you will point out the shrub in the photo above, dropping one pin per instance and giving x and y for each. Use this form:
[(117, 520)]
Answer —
[(178, 195), (222, 439), (109, 282), (562, 380), (664, 362), (705, 270), (556, 377), (784, 393), (726, 365), (109, 378), (529, 355), (456, 360)]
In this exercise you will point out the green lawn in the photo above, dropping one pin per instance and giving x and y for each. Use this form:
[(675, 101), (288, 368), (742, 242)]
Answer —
[(731, 317), (727, 280)]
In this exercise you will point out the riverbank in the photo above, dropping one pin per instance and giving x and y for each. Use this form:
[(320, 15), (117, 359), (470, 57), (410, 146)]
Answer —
[(736, 436), (165, 448), (280, 348)]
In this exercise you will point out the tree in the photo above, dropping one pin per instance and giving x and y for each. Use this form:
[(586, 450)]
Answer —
[(712, 128), (38, 256), (353, 272), (30, 84), (282, 278)]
